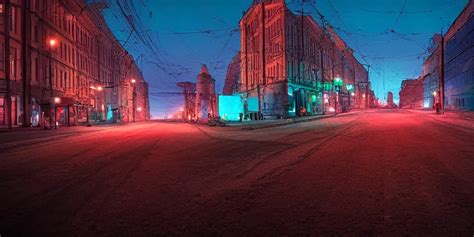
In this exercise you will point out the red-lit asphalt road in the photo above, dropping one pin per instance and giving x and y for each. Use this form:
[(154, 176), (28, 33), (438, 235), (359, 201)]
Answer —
[(377, 173)]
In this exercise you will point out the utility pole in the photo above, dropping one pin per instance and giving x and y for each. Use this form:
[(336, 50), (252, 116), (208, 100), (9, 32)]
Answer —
[(246, 68), (354, 84), (323, 101), (98, 106), (441, 73), (342, 77), (25, 59), (51, 93), (367, 88), (323, 79), (8, 99), (264, 77), (302, 45)]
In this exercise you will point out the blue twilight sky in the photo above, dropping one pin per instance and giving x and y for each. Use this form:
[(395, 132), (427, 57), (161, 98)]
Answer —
[(172, 38)]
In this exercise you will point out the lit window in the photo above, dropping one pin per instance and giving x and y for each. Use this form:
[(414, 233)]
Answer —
[(1, 8)]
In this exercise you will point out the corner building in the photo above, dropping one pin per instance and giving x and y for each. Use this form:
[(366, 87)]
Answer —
[(85, 76), (290, 62)]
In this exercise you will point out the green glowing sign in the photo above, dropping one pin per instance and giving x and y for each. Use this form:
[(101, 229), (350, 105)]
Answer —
[(338, 81), (350, 87), (327, 86)]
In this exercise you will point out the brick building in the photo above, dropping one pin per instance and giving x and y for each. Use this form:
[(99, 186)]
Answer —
[(303, 63), (60, 63), (232, 79), (411, 94), (431, 72)]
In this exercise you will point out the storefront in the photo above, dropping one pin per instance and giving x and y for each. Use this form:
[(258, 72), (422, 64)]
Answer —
[(65, 111), (16, 111)]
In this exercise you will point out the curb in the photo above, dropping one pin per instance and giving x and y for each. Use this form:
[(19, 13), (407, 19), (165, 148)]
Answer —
[(289, 122)]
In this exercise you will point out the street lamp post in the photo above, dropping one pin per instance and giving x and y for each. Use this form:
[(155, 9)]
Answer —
[(133, 81), (52, 43), (88, 105), (57, 100)]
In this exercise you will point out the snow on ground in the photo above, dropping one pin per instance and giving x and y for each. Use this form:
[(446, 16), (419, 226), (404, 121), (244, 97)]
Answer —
[(390, 172)]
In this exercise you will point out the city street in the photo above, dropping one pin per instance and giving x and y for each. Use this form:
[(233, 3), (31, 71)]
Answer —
[(380, 172)]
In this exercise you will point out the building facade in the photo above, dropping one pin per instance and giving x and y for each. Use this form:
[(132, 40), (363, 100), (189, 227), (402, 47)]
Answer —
[(291, 66), (232, 79), (459, 62), (411, 94), (431, 73), (62, 65)]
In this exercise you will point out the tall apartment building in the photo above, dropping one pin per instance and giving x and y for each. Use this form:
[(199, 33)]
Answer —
[(64, 65), (459, 61), (289, 64)]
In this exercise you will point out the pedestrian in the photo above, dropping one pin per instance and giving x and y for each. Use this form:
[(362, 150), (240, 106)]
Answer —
[(438, 107)]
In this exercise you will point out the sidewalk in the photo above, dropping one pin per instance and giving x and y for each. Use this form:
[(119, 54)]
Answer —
[(460, 118), (18, 136), (271, 123)]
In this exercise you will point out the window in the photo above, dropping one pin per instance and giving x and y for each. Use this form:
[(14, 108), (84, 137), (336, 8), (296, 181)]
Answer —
[(2, 65), (13, 58), (66, 84), (13, 19), (35, 33), (35, 78)]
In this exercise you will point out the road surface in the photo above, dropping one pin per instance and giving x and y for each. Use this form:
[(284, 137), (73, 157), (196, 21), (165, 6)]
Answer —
[(387, 173)]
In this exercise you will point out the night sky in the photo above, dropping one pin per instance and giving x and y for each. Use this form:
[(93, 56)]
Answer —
[(171, 39)]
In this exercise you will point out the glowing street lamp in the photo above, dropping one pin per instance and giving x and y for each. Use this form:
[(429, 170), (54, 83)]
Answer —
[(99, 88), (435, 93), (52, 43), (57, 100), (139, 109), (133, 81)]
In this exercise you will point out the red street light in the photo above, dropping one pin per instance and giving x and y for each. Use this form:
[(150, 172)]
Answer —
[(57, 100), (99, 88), (52, 42)]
